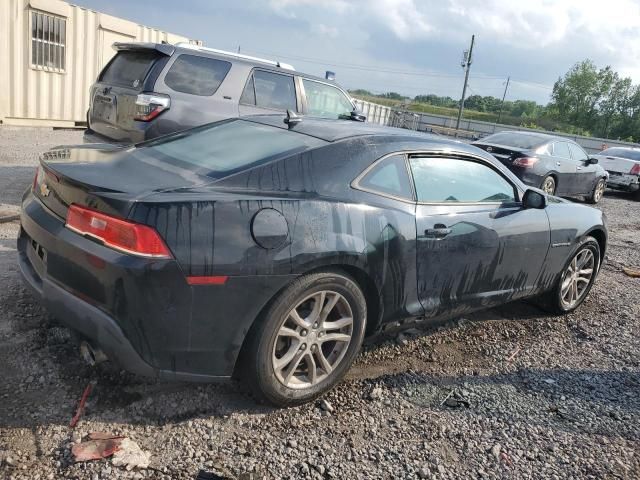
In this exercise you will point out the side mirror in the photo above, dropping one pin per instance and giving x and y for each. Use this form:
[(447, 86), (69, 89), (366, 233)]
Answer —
[(354, 115), (591, 161), (534, 199)]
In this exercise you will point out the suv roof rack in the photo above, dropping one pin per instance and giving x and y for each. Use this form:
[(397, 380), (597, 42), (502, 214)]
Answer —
[(191, 46)]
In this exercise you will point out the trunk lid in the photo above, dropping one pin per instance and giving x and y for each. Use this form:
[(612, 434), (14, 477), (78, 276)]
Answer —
[(105, 177), (506, 154), (112, 98), (616, 164)]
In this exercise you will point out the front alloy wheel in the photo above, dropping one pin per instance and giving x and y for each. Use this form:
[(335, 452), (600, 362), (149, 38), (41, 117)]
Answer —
[(598, 191), (577, 278), (306, 340)]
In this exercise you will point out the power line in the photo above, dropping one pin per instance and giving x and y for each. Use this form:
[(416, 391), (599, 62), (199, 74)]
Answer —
[(417, 73)]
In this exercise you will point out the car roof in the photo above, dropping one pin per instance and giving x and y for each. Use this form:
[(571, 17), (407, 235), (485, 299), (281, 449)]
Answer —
[(332, 130)]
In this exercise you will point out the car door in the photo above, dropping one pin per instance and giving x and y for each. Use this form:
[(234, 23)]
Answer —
[(585, 171), (477, 245), (565, 168), (269, 92)]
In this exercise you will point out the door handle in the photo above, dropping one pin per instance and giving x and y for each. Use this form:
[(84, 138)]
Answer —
[(438, 231), (558, 163), (578, 168)]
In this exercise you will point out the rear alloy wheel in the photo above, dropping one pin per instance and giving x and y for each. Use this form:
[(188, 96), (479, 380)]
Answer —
[(549, 185), (308, 339), (598, 191), (577, 277)]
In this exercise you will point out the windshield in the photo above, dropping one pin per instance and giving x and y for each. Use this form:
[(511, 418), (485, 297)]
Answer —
[(622, 153), (513, 139), (222, 148)]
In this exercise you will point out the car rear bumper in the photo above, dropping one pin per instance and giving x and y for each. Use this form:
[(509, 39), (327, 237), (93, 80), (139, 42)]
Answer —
[(623, 181), (141, 312)]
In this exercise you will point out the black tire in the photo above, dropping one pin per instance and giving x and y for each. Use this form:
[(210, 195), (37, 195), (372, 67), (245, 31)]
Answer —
[(549, 185), (258, 368), (552, 300), (598, 192)]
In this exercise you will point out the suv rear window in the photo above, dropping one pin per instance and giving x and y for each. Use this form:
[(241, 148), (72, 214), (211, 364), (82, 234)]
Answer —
[(129, 68), (229, 146), (196, 75)]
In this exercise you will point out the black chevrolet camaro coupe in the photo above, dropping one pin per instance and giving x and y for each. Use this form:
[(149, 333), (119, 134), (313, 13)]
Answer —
[(270, 248)]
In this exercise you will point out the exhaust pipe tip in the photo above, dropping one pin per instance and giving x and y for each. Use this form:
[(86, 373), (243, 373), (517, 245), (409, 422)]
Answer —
[(92, 356)]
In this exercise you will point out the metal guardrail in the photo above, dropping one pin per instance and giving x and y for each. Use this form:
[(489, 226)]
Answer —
[(475, 129)]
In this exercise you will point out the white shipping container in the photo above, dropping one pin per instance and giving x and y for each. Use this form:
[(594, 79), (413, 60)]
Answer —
[(51, 52)]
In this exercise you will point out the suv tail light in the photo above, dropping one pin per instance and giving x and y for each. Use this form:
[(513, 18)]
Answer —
[(526, 162), (635, 170), (119, 234), (149, 106)]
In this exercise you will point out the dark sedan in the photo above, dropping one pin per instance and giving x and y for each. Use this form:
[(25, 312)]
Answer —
[(555, 164), (270, 249)]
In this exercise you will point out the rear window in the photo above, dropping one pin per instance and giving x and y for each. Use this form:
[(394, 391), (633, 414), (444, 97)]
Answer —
[(517, 140), (226, 147), (129, 68), (622, 153), (196, 75)]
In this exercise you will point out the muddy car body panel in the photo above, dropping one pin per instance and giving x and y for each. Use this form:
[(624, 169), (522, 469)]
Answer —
[(264, 224)]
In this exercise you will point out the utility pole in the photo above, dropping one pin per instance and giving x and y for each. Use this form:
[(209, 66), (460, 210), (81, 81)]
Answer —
[(503, 97), (466, 63)]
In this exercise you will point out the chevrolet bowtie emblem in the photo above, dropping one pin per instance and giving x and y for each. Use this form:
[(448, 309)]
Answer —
[(44, 190)]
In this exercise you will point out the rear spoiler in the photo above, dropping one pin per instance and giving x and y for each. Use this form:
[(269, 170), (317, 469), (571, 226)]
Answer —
[(163, 48)]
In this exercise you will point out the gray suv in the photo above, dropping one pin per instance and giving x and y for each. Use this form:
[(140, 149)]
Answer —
[(149, 89)]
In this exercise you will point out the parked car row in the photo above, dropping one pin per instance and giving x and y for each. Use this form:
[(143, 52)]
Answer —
[(226, 241)]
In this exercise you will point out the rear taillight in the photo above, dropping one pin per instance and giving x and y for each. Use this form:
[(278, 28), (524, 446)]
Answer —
[(123, 235), (149, 106), (525, 162), (635, 170)]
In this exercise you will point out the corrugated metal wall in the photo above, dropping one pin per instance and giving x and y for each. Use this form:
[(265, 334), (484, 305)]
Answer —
[(31, 96)]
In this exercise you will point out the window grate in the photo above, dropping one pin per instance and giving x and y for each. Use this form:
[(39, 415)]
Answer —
[(48, 42)]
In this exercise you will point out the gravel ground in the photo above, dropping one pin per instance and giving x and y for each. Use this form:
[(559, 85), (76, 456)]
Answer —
[(509, 393)]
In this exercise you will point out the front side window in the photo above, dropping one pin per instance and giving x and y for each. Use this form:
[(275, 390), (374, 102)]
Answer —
[(48, 41), (388, 177), (561, 149), (196, 75), (577, 153), (325, 101), (271, 90), (227, 147), (450, 180)]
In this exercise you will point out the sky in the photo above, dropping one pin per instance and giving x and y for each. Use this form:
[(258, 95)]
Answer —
[(411, 46)]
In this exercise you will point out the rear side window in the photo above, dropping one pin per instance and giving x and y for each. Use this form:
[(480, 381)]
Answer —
[(196, 75), (388, 177), (226, 147), (452, 180), (270, 90), (325, 101), (129, 68), (561, 149)]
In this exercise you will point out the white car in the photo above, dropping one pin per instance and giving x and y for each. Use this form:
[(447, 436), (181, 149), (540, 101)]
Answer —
[(623, 166)]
